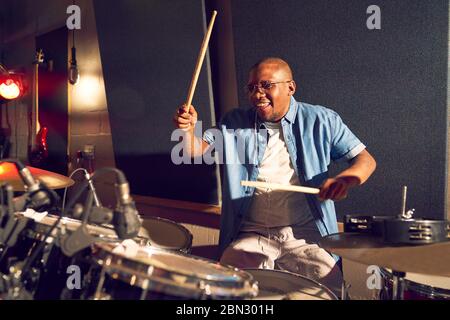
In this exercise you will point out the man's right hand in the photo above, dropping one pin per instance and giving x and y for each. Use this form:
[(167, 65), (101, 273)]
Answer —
[(185, 117)]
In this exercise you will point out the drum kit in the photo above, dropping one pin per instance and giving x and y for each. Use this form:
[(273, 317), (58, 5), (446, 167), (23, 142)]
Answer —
[(48, 255), (45, 255), (412, 256)]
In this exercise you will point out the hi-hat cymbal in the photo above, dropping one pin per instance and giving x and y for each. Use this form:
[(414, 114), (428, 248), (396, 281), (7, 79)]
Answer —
[(431, 259), (9, 173)]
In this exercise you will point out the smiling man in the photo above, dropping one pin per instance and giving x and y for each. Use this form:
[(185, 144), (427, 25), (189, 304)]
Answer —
[(291, 143)]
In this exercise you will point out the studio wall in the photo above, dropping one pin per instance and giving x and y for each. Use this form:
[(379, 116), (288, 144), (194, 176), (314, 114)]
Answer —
[(148, 51), (390, 85)]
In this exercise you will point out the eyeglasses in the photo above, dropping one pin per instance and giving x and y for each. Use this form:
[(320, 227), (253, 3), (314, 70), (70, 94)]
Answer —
[(265, 85)]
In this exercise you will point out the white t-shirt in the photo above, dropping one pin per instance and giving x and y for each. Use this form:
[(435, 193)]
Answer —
[(275, 208)]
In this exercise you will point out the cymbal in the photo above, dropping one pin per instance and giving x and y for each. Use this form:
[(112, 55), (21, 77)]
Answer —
[(9, 173), (431, 259)]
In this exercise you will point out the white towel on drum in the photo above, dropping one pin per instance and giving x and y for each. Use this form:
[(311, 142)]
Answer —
[(32, 214), (127, 247)]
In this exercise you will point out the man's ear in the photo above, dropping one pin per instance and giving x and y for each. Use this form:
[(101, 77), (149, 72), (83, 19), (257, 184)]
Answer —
[(292, 88)]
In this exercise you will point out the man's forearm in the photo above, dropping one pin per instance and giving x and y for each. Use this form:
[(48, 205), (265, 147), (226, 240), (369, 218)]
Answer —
[(195, 146), (361, 168)]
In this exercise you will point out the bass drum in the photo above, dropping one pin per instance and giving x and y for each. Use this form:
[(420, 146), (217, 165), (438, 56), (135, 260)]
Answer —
[(283, 285), (149, 273), (417, 286), (167, 234)]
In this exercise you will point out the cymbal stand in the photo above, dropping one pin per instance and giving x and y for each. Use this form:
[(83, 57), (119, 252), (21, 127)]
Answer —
[(398, 285), (344, 290)]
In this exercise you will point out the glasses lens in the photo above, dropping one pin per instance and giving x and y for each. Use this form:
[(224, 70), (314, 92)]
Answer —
[(251, 87), (266, 85)]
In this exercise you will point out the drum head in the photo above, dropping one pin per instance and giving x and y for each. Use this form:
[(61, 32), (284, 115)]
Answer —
[(167, 234), (175, 273), (43, 223), (283, 285), (442, 283), (429, 287)]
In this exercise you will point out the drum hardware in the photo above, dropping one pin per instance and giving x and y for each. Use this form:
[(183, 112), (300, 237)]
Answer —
[(405, 214), (401, 229), (99, 295), (11, 288), (398, 285), (88, 178), (404, 195), (394, 230), (345, 290), (9, 226)]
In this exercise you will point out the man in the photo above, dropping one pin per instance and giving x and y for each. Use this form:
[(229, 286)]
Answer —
[(285, 142)]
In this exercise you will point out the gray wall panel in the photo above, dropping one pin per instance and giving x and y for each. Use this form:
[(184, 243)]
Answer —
[(149, 50)]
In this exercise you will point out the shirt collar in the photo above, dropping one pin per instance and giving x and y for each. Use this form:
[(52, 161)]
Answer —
[(292, 112)]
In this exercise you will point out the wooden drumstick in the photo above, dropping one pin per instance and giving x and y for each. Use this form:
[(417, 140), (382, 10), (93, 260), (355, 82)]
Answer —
[(277, 186), (200, 58)]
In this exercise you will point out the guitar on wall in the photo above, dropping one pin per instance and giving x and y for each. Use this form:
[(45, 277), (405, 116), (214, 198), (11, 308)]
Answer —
[(37, 146)]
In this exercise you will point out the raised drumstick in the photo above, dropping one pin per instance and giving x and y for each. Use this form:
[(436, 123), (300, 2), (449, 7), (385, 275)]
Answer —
[(277, 186), (200, 58)]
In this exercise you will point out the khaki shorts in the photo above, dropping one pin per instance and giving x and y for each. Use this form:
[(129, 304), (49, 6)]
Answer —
[(285, 248)]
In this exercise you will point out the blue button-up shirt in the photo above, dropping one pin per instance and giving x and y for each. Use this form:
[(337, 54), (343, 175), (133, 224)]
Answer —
[(314, 136)]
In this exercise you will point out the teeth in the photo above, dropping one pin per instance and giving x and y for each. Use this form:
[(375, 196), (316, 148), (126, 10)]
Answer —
[(262, 105)]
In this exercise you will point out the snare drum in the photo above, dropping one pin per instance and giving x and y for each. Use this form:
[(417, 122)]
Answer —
[(151, 273), (167, 234), (417, 287), (283, 285)]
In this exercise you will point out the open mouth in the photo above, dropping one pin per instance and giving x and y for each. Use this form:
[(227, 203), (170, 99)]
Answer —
[(263, 105)]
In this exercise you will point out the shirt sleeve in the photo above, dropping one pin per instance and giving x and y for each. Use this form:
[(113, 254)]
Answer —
[(344, 144), (208, 135)]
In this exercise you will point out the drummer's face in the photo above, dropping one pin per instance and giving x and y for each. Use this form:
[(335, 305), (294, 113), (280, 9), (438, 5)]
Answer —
[(271, 104)]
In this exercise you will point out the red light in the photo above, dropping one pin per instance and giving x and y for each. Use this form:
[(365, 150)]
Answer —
[(9, 89), (11, 86)]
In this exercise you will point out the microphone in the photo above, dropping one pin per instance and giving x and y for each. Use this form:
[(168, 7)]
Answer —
[(127, 222), (37, 194)]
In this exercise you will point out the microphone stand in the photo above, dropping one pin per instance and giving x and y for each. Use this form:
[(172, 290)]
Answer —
[(80, 238), (13, 226), (91, 186)]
